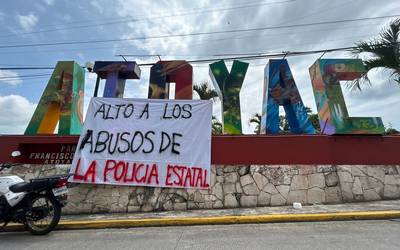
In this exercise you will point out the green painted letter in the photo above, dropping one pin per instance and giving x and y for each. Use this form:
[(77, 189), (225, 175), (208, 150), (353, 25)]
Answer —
[(326, 75), (62, 101), (228, 87)]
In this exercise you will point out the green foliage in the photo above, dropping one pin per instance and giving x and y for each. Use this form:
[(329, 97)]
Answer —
[(284, 124), (385, 52), (284, 127), (204, 91), (257, 120), (216, 126), (391, 131), (315, 122)]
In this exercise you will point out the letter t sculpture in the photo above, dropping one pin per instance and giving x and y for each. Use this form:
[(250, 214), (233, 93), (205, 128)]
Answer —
[(116, 74)]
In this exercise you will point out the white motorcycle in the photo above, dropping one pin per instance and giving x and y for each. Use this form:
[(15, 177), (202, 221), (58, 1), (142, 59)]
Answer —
[(36, 204)]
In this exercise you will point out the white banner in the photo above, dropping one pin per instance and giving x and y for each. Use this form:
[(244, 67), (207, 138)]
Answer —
[(145, 142)]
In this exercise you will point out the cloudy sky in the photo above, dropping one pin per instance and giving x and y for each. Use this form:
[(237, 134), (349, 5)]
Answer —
[(48, 21)]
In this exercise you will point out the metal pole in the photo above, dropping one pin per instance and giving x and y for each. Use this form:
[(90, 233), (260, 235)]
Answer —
[(96, 87)]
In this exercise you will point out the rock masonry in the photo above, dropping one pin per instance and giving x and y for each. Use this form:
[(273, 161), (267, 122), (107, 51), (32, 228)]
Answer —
[(236, 186)]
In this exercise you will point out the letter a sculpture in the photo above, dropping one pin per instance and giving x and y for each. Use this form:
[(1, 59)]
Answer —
[(165, 72), (62, 101), (280, 90)]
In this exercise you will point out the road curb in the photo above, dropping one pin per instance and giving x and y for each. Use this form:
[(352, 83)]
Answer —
[(239, 219)]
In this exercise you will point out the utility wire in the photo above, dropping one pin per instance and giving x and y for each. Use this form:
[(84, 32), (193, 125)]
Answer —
[(24, 68), (23, 65), (318, 12), (250, 57), (227, 57), (204, 41), (22, 76), (150, 18), (197, 33), (241, 54), (176, 11)]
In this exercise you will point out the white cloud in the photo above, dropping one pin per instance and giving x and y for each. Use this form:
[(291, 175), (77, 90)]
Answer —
[(90, 82), (27, 22), (2, 15), (296, 39), (15, 114), (67, 18), (40, 7), (372, 102), (381, 99), (9, 77), (97, 5), (49, 2)]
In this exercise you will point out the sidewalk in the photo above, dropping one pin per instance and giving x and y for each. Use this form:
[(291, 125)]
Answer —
[(347, 211)]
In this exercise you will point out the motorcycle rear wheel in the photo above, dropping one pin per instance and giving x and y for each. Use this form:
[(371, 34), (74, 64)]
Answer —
[(41, 224)]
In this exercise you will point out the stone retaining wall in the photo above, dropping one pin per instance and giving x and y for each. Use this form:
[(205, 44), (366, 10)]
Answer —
[(237, 186)]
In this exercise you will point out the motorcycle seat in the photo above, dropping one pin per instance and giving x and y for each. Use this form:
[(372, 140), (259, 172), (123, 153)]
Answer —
[(20, 187), (33, 185)]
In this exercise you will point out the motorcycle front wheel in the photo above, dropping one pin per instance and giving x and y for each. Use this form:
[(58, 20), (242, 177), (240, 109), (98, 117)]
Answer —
[(44, 215)]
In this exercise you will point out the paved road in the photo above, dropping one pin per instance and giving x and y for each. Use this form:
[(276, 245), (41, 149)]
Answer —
[(383, 234)]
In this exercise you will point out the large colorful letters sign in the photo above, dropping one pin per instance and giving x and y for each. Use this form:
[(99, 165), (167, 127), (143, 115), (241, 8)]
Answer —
[(228, 87), (141, 142), (116, 74), (165, 72), (280, 90), (326, 75), (61, 101)]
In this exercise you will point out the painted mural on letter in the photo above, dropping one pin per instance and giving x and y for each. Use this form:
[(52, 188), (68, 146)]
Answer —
[(280, 90), (165, 72), (61, 102), (116, 73), (326, 75), (228, 86)]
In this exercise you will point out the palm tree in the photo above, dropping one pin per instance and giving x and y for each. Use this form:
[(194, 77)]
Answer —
[(216, 126), (284, 124), (315, 122), (257, 120), (385, 51), (391, 131), (204, 91)]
